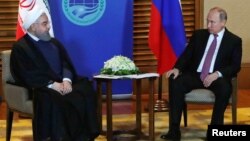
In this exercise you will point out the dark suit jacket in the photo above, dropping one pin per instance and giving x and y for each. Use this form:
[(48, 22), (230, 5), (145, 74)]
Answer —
[(30, 69), (228, 60)]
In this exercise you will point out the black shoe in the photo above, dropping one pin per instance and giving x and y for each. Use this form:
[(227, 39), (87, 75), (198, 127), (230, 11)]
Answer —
[(91, 139), (172, 135), (93, 136)]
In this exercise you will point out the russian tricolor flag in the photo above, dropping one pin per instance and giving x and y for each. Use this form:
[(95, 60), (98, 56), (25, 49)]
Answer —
[(167, 37)]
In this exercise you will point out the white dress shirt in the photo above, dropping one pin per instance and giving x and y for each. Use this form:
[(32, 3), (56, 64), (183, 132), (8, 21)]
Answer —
[(210, 39)]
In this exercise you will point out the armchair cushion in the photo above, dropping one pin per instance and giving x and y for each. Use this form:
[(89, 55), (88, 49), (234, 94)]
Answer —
[(200, 95)]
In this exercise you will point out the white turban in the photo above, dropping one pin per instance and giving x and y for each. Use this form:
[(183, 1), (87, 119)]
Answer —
[(31, 16)]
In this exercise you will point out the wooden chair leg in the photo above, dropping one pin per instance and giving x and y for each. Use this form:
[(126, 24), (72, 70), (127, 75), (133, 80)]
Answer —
[(185, 114), (34, 121), (234, 114), (234, 100), (9, 124)]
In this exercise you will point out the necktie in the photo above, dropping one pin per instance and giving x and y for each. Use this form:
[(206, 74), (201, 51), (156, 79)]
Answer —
[(208, 59)]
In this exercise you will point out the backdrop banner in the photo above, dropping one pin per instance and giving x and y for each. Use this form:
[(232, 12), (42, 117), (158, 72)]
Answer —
[(94, 31)]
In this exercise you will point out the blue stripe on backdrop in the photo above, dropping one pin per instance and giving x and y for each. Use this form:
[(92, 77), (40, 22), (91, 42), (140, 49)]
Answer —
[(93, 31)]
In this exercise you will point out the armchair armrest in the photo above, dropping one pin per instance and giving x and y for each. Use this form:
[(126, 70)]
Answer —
[(17, 97)]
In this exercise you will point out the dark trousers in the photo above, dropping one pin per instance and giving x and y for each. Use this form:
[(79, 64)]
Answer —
[(72, 117), (222, 88)]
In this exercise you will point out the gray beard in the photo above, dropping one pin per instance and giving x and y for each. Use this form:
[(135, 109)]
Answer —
[(44, 37)]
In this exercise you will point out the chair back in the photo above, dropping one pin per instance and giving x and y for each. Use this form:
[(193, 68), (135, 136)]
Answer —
[(16, 97), (6, 75)]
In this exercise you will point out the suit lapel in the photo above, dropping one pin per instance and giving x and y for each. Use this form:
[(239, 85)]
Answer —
[(203, 43), (223, 48)]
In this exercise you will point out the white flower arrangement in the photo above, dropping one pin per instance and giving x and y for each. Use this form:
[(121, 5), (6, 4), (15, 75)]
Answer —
[(119, 65)]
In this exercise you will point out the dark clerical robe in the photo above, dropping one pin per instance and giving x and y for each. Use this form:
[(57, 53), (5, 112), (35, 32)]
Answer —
[(70, 117)]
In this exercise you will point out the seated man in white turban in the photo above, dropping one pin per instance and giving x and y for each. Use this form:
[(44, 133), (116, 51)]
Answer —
[(65, 105)]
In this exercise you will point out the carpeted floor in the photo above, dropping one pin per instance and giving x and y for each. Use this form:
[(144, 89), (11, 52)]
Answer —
[(197, 125)]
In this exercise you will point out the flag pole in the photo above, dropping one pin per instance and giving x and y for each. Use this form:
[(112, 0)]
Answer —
[(160, 104)]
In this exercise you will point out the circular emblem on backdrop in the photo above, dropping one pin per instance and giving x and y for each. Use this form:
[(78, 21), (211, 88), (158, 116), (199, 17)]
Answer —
[(83, 12)]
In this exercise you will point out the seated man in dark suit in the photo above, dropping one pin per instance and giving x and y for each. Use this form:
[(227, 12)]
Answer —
[(210, 60), (65, 105)]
